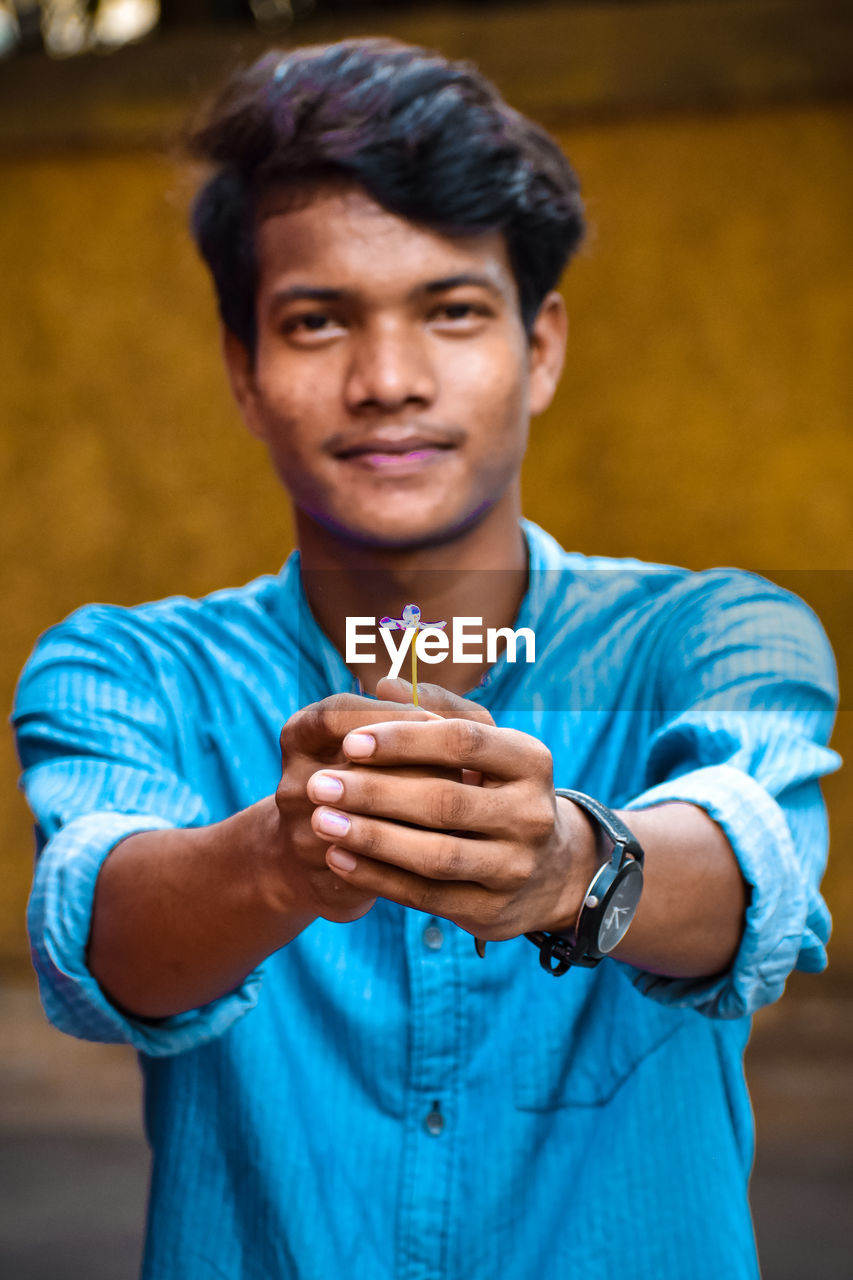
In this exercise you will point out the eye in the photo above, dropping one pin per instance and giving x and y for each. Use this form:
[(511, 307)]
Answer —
[(313, 321), (462, 316), (312, 326), (458, 310)]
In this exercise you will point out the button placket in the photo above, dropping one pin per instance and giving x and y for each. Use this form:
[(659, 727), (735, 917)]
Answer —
[(430, 1151)]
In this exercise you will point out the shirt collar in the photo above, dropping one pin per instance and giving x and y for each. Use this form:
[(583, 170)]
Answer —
[(323, 670)]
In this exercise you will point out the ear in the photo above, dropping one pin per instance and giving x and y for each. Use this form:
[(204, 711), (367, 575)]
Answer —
[(240, 367), (547, 351)]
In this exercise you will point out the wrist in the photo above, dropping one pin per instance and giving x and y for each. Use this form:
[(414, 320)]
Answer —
[(280, 889), (581, 853), (610, 902)]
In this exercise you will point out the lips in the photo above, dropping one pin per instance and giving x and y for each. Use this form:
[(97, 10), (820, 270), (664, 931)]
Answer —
[(396, 453), (392, 446)]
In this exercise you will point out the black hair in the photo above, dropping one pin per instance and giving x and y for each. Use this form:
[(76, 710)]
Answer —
[(428, 139)]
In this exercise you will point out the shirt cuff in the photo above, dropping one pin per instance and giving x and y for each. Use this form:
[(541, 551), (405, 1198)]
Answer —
[(59, 917), (779, 925)]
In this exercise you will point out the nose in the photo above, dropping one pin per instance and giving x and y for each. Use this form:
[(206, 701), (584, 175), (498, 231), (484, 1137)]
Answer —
[(390, 368)]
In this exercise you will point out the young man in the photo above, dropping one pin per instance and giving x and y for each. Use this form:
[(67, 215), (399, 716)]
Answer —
[(338, 1085)]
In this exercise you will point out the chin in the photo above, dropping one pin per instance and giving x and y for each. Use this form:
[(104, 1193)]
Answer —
[(401, 535)]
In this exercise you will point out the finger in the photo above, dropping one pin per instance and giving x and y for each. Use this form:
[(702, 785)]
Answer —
[(452, 901), (433, 855), (433, 697), (466, 744), (318, 729), (427, 802)]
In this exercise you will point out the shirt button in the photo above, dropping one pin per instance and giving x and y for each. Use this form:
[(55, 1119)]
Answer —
[(433, 937), (434, 1122)]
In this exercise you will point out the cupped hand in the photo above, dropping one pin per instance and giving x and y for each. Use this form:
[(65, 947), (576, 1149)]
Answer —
[(312, 740), (499, 859)]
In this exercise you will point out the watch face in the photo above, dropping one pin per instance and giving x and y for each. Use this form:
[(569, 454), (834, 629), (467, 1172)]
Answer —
[(620, 906)]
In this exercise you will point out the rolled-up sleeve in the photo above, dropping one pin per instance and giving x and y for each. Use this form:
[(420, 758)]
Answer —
[(748, 691), (97, 745)]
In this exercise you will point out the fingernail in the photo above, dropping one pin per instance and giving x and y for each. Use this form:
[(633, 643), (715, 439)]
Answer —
[(359, 745), (341, 859), (325, 786), (333, 823)]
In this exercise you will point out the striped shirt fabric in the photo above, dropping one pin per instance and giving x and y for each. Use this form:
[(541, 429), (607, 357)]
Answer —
[(376, 1102)]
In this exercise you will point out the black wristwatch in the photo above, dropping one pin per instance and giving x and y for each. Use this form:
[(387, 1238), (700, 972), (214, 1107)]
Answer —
[(609, 904)]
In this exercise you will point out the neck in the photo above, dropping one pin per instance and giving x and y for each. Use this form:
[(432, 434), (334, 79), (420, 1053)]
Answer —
[(480, 572)]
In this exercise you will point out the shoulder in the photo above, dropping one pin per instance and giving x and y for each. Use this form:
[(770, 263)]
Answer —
[(681, 590), (620, 573), (685, 616), (606, 595), (150, 641), (737, 600)]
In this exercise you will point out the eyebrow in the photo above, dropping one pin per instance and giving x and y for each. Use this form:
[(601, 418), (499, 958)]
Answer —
[(309, 293), (469, 278), (316, 293)]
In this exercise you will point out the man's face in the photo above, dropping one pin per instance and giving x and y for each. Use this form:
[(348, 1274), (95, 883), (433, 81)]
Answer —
[(392, 379)]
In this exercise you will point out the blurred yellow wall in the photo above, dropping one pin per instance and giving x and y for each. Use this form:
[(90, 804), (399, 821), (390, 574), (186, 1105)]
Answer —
[(702, 419)]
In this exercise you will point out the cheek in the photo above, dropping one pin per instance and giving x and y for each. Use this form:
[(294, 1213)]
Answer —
[(489, 387), (288, 432), (293, 412)]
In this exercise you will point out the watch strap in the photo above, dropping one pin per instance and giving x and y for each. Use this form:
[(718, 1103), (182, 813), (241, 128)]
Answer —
[(557, 952), (610, 824)]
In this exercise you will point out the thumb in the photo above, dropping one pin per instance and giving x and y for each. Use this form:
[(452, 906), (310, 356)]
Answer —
[(433, 698)]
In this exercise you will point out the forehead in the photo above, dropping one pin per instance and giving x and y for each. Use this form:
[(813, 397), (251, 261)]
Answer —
[(341, 238)]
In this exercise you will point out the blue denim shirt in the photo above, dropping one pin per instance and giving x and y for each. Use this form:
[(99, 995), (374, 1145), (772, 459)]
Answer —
[(375, 1102)]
